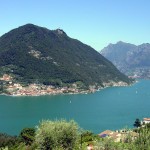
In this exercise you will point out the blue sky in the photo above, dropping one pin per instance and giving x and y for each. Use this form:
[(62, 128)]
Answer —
[(94, 22)]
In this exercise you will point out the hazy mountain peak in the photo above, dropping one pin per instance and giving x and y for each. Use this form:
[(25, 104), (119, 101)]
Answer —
[(129, 58), (120, 42)]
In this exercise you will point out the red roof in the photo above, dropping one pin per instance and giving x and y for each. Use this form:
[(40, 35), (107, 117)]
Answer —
[(146, 119)]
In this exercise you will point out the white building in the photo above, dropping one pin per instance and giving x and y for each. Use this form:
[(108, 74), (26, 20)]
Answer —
[(146, 120)]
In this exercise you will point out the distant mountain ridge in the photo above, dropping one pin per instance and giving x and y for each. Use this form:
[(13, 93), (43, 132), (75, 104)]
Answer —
[(35, 54), (130, 59)]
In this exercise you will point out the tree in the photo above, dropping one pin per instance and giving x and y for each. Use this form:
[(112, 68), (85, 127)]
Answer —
[(56, 134), (88, 136), (27, 135), (142, 142), (137, 123)]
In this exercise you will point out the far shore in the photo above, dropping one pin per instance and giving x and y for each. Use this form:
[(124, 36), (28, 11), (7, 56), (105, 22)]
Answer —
[(63, 90)]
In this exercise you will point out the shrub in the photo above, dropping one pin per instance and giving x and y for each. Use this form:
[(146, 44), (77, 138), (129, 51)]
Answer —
[(27, 135), (56, 135), (143, 140), (7, 140)]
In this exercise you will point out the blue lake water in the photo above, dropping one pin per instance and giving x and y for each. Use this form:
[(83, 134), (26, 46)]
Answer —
[(111, 108)]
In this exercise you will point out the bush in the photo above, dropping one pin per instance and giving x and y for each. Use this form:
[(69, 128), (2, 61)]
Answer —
[(56, 135), (7, 140), (27, 135), (143, 140)]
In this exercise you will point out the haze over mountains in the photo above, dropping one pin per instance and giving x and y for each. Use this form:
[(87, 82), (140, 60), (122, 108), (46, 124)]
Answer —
[(130, 59), (35, 54)]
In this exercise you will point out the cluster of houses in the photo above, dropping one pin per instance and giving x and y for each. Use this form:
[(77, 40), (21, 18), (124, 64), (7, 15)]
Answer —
[(6, 77), (37, 89), (119, 136), (17, 89), (122, 135)]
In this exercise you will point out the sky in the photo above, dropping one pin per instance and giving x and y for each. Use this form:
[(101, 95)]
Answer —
[(94, 22)]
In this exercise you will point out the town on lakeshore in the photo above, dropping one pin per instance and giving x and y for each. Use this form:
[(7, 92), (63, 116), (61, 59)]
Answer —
[(16, 89), (121, 135), (10, 87)]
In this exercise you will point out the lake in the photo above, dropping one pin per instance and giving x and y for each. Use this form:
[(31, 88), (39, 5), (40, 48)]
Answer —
[(111, 108)]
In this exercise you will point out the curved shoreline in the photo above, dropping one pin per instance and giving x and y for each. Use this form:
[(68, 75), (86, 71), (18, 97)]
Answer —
[(58, 91)]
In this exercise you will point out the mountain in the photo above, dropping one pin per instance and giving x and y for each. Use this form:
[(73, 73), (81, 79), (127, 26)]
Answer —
[(33, 54), (130, 59)]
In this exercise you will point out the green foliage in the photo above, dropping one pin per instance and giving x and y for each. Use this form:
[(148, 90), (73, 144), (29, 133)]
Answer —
[(7, 140), (62, 135), (88, 137), (143, 140), (62, 60), (56, 135), (27, 135)]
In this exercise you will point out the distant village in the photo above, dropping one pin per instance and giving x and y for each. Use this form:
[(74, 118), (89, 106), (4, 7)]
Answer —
[(16, 89), (140, 73)]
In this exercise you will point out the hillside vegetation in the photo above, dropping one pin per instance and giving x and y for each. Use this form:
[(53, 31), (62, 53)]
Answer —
[(33, 54)]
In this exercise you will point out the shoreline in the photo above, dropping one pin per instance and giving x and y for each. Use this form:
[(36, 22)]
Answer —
[(89, 91)]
